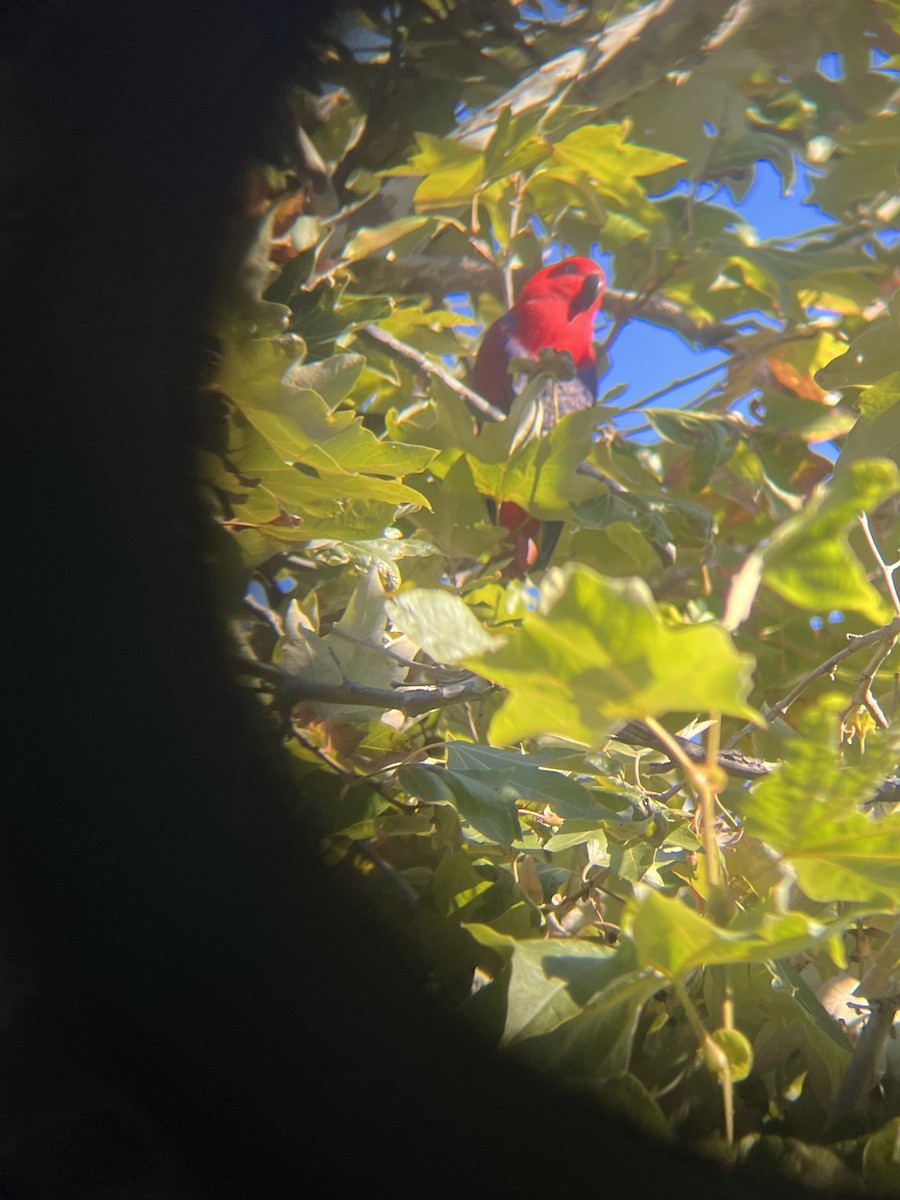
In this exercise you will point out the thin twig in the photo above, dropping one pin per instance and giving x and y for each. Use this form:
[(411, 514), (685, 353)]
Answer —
[(862, 693), (426, 367), (643, 297), (670, 387), (887, 569), (886, 633)]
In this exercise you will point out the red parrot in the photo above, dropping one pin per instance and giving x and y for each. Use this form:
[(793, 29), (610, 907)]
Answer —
[(555, 311)]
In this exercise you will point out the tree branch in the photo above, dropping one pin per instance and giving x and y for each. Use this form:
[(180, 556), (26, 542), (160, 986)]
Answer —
[(413, 700), (440, 276), (425, 366), (887, 569), (885, 633), (660, 311), (862, 693), (862, 1073), (742, 766)]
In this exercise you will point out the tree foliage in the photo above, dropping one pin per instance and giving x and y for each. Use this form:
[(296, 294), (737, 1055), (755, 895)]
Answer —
[(634, 811)]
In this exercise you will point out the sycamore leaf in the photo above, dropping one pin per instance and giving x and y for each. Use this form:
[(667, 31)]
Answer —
[(441, 623), (532, 783), (300, 424), (367, 241), (871, 357), (881, 1159), (539, 474), (809, 560), (353, 649), (674, 939), (597, 651), (572, 1005), (877, 429), (488, 804), (600, 156), (451, 171), (808, 811)]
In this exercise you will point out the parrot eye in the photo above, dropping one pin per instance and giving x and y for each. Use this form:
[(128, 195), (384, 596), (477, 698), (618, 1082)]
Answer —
[(568, 268)]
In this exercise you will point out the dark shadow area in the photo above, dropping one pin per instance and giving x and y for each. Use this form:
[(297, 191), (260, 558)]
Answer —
[(176, 1021)]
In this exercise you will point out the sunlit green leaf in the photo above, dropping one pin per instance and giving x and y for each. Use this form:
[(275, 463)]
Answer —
[(597, 651), (809, 560), (872, 356), (441, 623), (809, 812)]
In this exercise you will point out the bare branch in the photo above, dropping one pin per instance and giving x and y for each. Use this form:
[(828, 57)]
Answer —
[(440, 276), (413, 700), (862, 1073), (887, 569), (660, 311), (862, 693), (742, 766), (426, 367), (886, 634)]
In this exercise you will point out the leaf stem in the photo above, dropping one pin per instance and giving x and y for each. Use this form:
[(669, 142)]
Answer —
[(713, 1054)]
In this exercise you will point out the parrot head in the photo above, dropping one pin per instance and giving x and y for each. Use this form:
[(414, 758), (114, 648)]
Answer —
[(575, 282), (557, 305)]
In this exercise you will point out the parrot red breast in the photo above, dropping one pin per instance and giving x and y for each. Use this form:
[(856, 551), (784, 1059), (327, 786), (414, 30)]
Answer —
[(555, 311)]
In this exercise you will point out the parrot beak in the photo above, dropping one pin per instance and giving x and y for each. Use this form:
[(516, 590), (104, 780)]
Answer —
[(587, 295)]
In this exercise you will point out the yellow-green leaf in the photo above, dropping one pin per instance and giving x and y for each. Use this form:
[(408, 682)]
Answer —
[(597, 651)]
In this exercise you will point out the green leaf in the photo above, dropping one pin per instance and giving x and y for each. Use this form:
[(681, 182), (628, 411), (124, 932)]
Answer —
[(865, 167), (540, 473), (381, 553), (809, 560), (627, 1097), (332, 378), (881, 1159), (808, 811), (877, 429), (300, 425), (441, 623), (600, 155), (532, 782), (487, 804), (452, 171), (572, 1004), (815, 1166), (872, 356), (597, 651), (674, 939), (368, 241), (712, 439), (458, 520), (335, 658), (737, 1050)]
